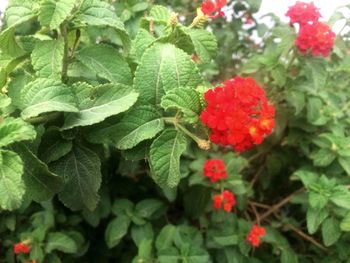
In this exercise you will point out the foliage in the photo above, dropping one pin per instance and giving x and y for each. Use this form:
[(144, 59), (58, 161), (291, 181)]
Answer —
[(102, 149)]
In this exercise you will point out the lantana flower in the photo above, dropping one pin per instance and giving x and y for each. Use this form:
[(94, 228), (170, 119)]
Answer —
[(21, 247), (225, 200), (213, 9), (303, 13), (255, 234), (215, 170)]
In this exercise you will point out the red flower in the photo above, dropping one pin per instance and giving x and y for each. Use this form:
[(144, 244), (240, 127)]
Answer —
[(214, 170), (255, 234), (21, 248), (317, 38), (238, 114), (210, 7), (303, 13), (226, 200)]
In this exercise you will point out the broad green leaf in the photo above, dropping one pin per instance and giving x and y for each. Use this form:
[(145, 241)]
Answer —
[(227, 240), (145, 251), (289, 256), (116, 230), (317, 72), (122, 206), (323, 157), (205, 44), (19, 11), (296, 99), (164, 67), (345, 163), (165, 153), (186, 100), (141, 42), (140, 233), (61, 242), (330, 231), (8, 43), (139, 124), (169, 255), (81, 172), (15, 130), (98, 103), (107, 63), (341, 196), (314, 114), (46, 95), (314, 218), (47, 58), (345, 223), (160, 13), (12, 187), (52, 12), (40, 183), (148, 207), (198, 255), (165, 238)]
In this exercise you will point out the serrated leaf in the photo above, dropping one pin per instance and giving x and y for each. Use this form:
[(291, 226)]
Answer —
[(98, 103), (323, 157), (61, 242), (139, 124), (8, 43), (314, 218), (141, 42), (40, 183), (165, 153), (107, 63), (341, 196), (12, 187), (160, 13), (186, 100), (330, 231), (18, 11), (81, 172), (15, 130), (46, 95), (165, 238), (116, 230), (205, 44), (47, 58), (164, 67), (52, 12)]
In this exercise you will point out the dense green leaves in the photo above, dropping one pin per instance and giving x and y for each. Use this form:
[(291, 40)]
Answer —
[(61, 242), (116, 229), (19, 11), (15, 130), (163, 68), (164, 157), (53, 13), (204, 43), (97, 103)]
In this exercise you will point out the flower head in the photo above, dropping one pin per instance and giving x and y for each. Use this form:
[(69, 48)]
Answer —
[(213, 8), (255, 234), (317, 38), (303, 13), (21, 248), (238, 114), (214, 170), (225, 200)]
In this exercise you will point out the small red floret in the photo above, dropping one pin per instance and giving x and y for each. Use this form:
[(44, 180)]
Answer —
[(303, 13), (255, 234), (21, 248), (213, 8), (225, 200), (215, 170)]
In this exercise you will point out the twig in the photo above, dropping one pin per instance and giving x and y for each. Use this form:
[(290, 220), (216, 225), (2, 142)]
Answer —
[(256, 176), (259, 205), (255, 213)]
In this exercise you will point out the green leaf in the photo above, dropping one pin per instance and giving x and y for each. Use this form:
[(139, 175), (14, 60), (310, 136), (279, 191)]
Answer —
[(296, 99), (116, 230), (341, 196), (254, 5), (314, 218), (147, 207), (145, 251), (61, 242), (141, 42), (98, 103), (164, 67), (330, 231), (227, 240), (169, 255), (40, 183), (47, 58), (140, 233), (345, 163), (160, 14), (164, 159), (8, 43), (122, 206), (323, 157), (289, 256), (205, 44), (5, 101), (18, 12), (81, 171), (53, 13), (165, 238), (345, 223), (46, 95), (107, 63), (139, 124), (15, 130), (317, 72), (12, 187), (186, 100), (198, 255)]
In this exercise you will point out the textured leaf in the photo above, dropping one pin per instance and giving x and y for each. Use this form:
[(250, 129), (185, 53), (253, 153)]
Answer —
[(140, 233), (15, 130), (186, 100), (116, 230), (323, 157), (341, 196), (289, 256), (98, 103), (12, 187), (205, 44), (160, 13), (345, 223), (330, 231), (81, 171), (40, 183), (61, 242), (18, 11), (107, 62), (147, 207), (169, 255), (46, 95), (314, 218), (141, 42), (164, 67), (139, 124), (164, 158), (47, 58), (8, 43), (165, 238), (53, 13)]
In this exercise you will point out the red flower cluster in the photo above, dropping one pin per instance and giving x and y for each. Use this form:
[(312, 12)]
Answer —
[(214, 170), (226, 200), (255, 234), (210, 7), (21, 248), (317, 37), (303, 13), (314, 36), (238, 114)]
